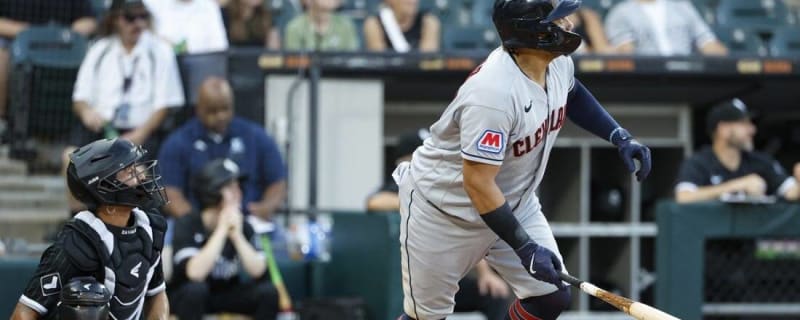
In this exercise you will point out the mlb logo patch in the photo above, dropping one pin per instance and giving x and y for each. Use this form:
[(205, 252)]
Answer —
[(491, 141)]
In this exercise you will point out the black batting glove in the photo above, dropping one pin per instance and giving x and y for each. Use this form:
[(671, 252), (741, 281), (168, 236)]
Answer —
[(541, 263), (630, 150)]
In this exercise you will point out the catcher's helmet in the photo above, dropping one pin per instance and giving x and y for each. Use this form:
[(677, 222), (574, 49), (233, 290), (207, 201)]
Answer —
[(84, 298), (529, 24), (109, 172), (209, 181)]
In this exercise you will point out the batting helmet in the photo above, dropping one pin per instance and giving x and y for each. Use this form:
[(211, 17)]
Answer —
[(94, 175), (84, 298), (529, 24), (209, 181)]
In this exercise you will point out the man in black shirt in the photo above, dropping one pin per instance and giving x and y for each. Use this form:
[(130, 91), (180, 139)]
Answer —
[(115, 243), (210, 246), (730, 166)]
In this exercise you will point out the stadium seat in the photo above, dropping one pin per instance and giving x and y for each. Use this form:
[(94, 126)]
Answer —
[(469, 38), (432, 6), (482, 13), (741, 41), (707, 10), (194, 69), (763, 15), (785, 42), (601, 6), (99, 7), (456, 13), (45, 62), (283, 11), (51, 45)]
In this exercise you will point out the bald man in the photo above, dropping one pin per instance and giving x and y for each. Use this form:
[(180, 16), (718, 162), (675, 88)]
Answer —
[(216, 133)]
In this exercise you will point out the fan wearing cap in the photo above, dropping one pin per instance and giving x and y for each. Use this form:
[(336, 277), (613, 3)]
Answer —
[(213, 247), (115, 244), (730, 166)]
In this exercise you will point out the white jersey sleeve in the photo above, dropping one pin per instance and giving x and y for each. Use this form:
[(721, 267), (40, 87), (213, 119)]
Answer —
[(484, 133)]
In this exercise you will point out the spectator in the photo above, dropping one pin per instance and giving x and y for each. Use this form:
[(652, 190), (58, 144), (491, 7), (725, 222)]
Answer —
[(126, 83), (211, 245), (114, 243), (216, 133), (18, 15), (385, 199), (401, 27), (482, 290), (587, 23), (730, 166), (249, 23), (660, 27), (320, 28), (190, 26)]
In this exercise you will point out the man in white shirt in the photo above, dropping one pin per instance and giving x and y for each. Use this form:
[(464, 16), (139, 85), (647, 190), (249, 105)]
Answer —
[(126, 82), (190, 26), (661, 28)]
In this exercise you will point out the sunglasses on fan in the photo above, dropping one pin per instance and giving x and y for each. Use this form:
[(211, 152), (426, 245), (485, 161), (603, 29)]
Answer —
[(132, 17)]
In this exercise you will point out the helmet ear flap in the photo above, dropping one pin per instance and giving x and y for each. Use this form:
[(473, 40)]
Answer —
[(78, 189)]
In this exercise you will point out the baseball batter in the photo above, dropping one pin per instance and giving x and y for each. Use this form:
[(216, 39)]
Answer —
[(468, 192)]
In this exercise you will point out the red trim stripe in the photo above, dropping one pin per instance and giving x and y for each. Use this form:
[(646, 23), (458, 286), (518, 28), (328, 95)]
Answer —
[(513, 313), (524, 315)]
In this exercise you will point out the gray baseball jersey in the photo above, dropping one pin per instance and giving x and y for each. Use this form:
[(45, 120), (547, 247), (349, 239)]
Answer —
[(499, 117)]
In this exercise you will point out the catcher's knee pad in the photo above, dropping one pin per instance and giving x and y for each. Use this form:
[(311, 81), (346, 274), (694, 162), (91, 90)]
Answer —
[(546, 307)]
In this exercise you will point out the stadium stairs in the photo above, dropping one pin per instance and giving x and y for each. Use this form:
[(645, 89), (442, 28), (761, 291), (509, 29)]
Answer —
[(31, 207)]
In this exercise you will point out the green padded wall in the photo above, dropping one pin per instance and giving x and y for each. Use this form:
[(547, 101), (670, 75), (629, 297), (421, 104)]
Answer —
[(682, 231)]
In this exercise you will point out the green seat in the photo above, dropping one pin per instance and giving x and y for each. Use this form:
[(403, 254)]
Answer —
[(785, 42), (707, 10), (45, 62), (52, 46), (763, 15), (282, 12), (468, 38), (455, 12), (99, 7), (482, 13), (741, 41), (14, 275), (601, 6)]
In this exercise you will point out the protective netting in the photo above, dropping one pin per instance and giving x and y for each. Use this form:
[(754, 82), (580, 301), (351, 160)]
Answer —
[(752, 271)]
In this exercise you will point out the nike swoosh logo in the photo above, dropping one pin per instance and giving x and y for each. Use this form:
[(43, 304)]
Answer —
[(530, 105), (530, 268)]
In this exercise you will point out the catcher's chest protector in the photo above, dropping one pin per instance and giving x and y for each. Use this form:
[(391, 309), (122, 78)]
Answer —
[(124, 263)]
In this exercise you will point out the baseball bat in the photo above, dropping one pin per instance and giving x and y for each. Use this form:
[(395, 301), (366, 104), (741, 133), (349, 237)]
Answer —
[(638, 310), (284, 299)]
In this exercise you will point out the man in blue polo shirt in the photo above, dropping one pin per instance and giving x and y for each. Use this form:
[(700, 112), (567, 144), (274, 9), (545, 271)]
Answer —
[(216, 133)]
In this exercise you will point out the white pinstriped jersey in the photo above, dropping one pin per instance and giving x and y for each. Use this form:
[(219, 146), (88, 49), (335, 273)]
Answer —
[(499, 117)]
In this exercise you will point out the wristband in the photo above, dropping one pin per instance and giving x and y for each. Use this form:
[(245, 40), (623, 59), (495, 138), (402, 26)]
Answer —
[(505, 225)]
